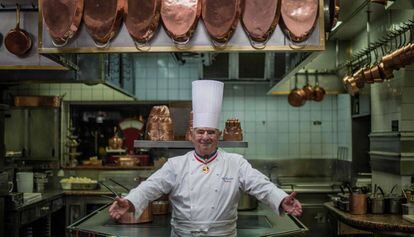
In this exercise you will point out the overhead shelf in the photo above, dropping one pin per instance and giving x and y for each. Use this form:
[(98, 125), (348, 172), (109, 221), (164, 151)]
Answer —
[(183, 144)]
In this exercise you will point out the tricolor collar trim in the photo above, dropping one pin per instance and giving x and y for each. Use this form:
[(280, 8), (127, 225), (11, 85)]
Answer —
[(200, 159)]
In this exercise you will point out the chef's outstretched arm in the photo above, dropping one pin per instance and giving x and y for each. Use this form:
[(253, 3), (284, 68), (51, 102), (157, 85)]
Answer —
[(159, 183), (291, 205), (257, 184), (119, 207)]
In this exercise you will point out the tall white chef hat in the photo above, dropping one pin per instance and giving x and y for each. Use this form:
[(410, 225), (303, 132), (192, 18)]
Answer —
[(207, 99)]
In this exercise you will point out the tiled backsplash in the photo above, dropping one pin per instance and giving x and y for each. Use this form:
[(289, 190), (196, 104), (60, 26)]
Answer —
[(273, 128)]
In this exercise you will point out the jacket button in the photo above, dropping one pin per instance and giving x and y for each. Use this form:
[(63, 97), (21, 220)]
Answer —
[(214, 190), (212, 207)]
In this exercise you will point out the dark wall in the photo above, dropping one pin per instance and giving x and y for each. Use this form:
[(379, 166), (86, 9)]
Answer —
[(361, 127)]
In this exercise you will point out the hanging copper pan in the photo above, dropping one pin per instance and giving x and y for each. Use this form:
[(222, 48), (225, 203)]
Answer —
[(18, 41), (142, 20), (299, 18), (103, 20), (62, 18), (297, 97), (180, 18), (220, 19), (259, 20), (318, 91)]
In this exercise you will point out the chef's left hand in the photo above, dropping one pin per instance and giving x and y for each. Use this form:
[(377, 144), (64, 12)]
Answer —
[(291, 205)]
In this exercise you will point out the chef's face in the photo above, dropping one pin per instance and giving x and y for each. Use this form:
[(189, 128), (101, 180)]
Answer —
[(205, 140)]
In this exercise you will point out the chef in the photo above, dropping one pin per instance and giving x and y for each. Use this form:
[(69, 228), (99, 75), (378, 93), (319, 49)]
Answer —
[(205, 185)]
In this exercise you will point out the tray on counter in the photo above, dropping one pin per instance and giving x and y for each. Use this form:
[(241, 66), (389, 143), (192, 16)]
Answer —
[(79, 186)]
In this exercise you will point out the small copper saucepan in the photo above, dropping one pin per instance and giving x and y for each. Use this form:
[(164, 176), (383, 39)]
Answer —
[(318, 92), (297, 97), (18, 41), (308, 89)]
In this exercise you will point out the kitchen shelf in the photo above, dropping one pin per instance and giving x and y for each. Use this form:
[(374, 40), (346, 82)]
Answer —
[(182, 144), (108, 167)]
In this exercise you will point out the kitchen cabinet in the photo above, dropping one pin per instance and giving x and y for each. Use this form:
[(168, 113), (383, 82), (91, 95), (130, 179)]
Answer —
[(34, 131), (35, 219)]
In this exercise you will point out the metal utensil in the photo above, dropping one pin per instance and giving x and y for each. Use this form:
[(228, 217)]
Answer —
[(110, 189), (119, 184)]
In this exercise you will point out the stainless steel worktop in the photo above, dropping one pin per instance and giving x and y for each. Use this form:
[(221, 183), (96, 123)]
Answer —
[(260, 222)]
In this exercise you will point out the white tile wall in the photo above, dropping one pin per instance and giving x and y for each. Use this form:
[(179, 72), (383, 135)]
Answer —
[(273, 128)]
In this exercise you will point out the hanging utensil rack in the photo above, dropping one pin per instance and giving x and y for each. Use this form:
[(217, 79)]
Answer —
[(392, 40), (25, 5)]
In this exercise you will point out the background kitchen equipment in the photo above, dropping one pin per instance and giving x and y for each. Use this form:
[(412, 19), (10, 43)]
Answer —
[(24, 181), (247, 202), (17, 40), (377, 201), (394, 201)]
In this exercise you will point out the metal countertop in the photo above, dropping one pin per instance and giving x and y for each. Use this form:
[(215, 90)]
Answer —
[(260, 222)]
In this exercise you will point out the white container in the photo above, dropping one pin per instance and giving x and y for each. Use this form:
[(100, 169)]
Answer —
[(24, 182)]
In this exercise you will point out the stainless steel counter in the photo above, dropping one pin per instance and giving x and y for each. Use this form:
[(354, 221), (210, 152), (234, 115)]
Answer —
[(260, 222)]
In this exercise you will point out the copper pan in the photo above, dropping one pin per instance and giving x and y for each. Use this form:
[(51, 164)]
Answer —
[(297, 97), (62, 19), (18, 41), (368, 77), (299, 18), (103, 20), (142, 19), (387, 71), (180, 19), (220, 19), (308, 89), (351, 85), (377, 73), (318, 91), (259, 20)]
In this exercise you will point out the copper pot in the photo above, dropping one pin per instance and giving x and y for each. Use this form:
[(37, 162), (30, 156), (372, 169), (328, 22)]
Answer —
[(115, 142), (127, 161), (160, 207), (318, 92), (297, 97), (358, 203), (18, 41)]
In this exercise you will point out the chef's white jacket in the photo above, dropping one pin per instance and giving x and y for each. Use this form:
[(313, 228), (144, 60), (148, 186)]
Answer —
[(205, 204)]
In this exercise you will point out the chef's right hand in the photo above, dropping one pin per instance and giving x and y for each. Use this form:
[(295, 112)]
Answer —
[(119, 208)]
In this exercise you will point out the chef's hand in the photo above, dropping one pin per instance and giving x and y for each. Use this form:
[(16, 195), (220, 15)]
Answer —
[(119, 207), (291, 205)]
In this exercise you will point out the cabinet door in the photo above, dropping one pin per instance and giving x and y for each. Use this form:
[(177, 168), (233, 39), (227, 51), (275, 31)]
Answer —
[(15, 127), (43, 134)]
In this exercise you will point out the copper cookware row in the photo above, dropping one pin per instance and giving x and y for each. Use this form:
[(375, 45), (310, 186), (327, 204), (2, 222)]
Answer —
[(378, 72), (298, 96), (259, 18)]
